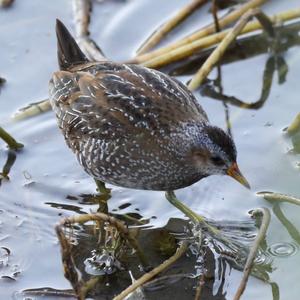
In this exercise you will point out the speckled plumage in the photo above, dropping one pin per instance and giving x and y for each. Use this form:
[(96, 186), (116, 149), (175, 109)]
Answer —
[(132, 126)]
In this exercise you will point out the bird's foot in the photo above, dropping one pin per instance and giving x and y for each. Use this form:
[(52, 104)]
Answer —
[(195, 218)]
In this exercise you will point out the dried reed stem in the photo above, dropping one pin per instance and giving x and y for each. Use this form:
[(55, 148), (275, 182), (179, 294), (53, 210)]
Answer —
[(82, 10), (266, 216), (32, 109), (279, 197), (161, 32), (203, 32), (218, 53), (187, 49)]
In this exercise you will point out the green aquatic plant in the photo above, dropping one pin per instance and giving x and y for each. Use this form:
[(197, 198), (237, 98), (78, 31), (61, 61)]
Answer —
[(294, 128), (294, 132), (11, 157), (9, 140)]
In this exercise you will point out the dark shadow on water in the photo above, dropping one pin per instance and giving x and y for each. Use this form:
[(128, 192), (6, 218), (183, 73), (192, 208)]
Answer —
[(95, 252), (11, 158), (209, 89)]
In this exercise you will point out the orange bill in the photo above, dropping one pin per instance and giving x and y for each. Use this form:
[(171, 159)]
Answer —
[(235, 173)]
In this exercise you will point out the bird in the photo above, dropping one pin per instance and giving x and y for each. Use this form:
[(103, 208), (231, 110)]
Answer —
[(133, 126)]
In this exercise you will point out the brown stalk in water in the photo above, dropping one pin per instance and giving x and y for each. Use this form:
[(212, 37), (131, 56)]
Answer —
[(200, 287), (161, 32), (266, 216), (6, 3), (82, 9), (146, 277), (70, 269)]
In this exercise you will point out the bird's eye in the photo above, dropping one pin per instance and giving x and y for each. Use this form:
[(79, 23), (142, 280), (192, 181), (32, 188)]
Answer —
[(217, 160)]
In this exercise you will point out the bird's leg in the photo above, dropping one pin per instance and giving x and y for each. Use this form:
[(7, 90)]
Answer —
[(103, 196), (171, 197), (101, 187)]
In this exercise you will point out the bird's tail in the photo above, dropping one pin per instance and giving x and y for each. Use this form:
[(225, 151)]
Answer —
[(68, 52)]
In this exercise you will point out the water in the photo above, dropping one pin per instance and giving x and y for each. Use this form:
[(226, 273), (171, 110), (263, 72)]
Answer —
[(46, 177)]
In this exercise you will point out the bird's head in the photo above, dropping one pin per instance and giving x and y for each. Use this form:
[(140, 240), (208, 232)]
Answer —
[(215, 153)]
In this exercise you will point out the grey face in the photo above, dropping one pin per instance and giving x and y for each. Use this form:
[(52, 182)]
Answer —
[(215, 152)]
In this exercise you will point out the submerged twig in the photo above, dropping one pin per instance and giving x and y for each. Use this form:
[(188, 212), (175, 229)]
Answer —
[(2, 81), (32, 109), (218, 81), (82, 10), (266, 216), (138, 293), (208, 90), (160, 59), (70, 269), (214, 10), (229, 38), (200, 287), (9, 140), (48, 292), (89, 285), (203, 32), (158, 35), (146, 277), (270, 196), (119, 225), (295, 125)]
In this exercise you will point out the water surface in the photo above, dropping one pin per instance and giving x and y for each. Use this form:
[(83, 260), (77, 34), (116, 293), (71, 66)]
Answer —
[(46, 172)]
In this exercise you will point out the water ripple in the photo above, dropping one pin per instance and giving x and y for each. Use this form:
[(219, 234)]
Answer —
[(283, 249), (263, 258)]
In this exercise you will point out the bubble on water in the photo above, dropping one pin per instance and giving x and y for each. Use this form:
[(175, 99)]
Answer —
[(283, 249), (102, 263)]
